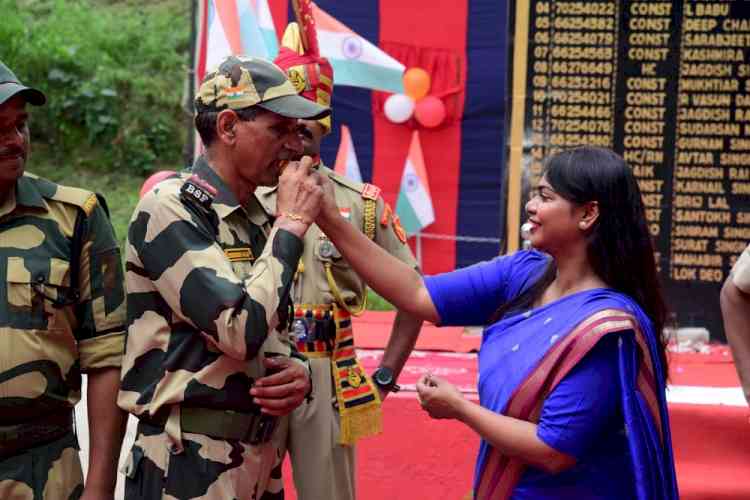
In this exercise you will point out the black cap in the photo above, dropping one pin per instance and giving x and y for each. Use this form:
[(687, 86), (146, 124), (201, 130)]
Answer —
[(10, 86)]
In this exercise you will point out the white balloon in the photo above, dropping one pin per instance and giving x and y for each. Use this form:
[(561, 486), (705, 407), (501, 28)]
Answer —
[(398, 108)]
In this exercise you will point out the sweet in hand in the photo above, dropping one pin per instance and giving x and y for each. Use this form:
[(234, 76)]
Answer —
[(439, 398)]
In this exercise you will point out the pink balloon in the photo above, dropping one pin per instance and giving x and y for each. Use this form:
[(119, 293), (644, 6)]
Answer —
[(430, 111), (155, 179)]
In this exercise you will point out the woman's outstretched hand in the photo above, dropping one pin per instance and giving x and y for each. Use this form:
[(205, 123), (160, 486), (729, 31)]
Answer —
[(440, 398), (329, 211)]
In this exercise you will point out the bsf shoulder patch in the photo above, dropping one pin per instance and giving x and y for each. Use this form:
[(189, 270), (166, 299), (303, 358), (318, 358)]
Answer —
[(370, 192), (199, 191)]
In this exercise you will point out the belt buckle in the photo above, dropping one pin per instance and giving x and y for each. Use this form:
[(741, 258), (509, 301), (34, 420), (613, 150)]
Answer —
[(312, 332), (299, 330)]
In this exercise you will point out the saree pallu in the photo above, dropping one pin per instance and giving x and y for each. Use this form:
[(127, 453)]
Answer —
[(524, 357)]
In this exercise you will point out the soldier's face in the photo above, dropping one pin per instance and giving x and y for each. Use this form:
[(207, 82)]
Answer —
[(14, 140), (265, 144), (311, 134)]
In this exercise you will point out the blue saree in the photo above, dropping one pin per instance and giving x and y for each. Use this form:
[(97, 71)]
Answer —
[(526, 355)]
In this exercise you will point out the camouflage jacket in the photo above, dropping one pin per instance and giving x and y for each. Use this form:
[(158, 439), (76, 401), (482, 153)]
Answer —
[(44, 343), (312, 286), (208, 296)]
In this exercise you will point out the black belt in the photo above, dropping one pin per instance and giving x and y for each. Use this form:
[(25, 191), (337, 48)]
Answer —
[(17, 438), (252, 428)]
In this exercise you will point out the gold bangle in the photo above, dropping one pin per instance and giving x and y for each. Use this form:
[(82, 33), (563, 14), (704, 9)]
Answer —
[(293, 216)]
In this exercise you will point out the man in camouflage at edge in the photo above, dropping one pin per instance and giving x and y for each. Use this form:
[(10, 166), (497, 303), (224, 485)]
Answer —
[(327, 293), (209, 276), (53, 327)]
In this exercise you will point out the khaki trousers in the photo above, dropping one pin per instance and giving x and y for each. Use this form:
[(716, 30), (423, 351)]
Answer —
[(322, 468)]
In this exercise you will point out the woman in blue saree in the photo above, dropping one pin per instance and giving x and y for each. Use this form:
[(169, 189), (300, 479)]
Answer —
[(572, 369)]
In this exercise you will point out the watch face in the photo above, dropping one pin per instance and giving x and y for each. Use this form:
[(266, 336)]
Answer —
[(384, 376)]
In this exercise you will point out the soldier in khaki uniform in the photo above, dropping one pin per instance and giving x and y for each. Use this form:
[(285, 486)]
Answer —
[(327, 293), (62, 313), (735, 309), (209, 366)]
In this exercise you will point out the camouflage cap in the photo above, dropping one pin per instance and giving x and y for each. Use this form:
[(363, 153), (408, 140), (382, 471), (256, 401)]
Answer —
[(240, 82), (10, 85)]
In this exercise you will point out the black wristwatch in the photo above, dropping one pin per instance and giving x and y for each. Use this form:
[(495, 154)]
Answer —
[(383, 378)]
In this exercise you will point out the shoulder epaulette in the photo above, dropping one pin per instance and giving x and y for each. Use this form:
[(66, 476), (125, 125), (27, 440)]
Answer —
[(367, 191), (197, 190), (344, 181), (82, 198), (370, 193)]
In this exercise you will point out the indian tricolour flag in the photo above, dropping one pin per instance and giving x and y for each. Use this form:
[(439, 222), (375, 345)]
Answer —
[(356, 62), (266, 27), (346, 158), (239, 27), (414, 204)]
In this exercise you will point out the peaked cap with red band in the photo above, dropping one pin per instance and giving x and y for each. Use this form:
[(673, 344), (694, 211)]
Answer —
[(299, 56)]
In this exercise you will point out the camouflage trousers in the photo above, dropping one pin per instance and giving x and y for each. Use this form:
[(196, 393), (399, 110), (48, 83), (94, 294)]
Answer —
[(48, 472), (207, 468)]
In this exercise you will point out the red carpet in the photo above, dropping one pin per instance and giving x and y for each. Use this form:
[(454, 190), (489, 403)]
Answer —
[(371, 331), (418, 458)]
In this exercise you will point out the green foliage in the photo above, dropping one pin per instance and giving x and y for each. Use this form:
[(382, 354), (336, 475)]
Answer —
[(113, 73), (119, 188)]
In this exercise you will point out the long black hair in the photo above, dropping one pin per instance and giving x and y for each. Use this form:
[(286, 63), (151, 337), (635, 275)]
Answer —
[(620, 247)]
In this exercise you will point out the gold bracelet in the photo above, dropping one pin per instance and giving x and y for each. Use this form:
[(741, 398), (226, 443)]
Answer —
[(293, 216)]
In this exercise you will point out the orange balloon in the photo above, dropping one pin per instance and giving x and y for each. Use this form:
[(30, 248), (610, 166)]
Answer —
[(416, 83)]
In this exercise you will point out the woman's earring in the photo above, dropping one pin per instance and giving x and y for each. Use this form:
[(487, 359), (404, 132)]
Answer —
[(582, 225)]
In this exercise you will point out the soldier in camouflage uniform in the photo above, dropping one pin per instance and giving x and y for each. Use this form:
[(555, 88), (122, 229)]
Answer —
[(209, 275), (62, 313), (735, 309), (327, 293)]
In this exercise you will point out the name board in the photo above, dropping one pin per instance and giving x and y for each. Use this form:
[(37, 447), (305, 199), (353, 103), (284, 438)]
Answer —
[(667, 86)]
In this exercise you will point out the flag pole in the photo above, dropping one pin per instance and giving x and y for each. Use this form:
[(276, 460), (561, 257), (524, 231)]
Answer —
[(188, 152), (418, 247)]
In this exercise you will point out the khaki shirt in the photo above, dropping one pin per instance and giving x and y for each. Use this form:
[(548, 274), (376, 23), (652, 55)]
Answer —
[(312, 286), (741, 271), (45, 346), (208, 292)]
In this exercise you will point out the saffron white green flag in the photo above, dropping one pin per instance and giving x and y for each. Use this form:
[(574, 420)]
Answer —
[(239, 27), (414, 204), (356, 62), (346, 158), (266, 27)]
